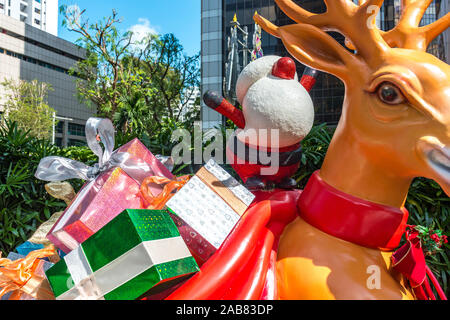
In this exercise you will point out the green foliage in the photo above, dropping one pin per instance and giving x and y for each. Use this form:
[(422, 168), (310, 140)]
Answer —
[(429, 207), (26, 103), (129, 117), (82, 154), (24, 203), (315, 147)]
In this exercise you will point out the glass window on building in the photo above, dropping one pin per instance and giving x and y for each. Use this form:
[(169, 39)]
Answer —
[(77, 130), (60, 127), (59, 142), (76, 143), (390, 15)]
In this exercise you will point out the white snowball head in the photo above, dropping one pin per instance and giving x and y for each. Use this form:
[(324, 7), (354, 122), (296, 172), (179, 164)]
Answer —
[(274, 103), (253, 72)]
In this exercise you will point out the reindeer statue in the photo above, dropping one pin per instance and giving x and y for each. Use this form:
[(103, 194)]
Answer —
[(395, 126), (336, 239)]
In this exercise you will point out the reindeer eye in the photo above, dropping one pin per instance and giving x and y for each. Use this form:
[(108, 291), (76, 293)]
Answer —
[(390, 94)]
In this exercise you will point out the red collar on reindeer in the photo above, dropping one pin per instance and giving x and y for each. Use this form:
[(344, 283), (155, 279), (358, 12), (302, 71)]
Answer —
[(370, 225), (352, 219)]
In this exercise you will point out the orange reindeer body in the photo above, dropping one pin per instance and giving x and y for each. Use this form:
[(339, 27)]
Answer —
[(395, 127), (313, 265)]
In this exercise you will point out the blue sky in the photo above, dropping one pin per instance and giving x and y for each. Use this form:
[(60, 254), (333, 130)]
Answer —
[(180, 17)]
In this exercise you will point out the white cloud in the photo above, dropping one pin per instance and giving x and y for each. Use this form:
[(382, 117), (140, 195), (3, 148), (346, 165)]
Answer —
[(142, 29)]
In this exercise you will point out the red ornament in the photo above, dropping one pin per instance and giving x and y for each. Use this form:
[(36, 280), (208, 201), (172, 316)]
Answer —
[(284, 69)]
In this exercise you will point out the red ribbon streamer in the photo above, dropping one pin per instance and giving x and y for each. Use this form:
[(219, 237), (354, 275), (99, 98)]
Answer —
[(409, 260)]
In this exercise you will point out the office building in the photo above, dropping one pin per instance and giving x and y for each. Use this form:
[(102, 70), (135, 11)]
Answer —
[(212, 56), (28, 53), (189, 102), (41, 14), (390, 14), (328, 94)]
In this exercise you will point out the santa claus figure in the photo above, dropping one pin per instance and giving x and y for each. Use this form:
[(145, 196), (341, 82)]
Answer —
[(277, 113)]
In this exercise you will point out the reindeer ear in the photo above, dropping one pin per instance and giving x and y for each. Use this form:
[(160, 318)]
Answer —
[(316, 49)]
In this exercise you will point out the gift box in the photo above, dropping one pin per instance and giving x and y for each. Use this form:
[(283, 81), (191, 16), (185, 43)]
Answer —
[(207, 209), (139, 252), (113, 184), (23, 277), (27, 247)]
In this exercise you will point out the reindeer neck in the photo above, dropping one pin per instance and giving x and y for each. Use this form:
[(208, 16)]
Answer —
[(348, 169)]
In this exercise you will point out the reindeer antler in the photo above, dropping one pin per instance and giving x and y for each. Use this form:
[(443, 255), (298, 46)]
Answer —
[(407, 34), (355, 22)]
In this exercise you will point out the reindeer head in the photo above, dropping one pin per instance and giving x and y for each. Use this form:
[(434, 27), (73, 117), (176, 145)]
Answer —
[(397, 104)]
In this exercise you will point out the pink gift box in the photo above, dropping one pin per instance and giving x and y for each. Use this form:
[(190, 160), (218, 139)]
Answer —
[(111, 193)]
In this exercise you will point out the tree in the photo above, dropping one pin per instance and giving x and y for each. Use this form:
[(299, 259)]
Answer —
[(173, 74), (102, 74), (26, 103), (129, 118), (136, 83)]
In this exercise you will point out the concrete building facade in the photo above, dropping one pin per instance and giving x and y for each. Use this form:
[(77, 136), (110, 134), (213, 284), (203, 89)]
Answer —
[(41, 14), (28, 53)]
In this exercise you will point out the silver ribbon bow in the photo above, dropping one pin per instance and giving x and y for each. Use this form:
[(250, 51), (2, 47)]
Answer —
[(55, 169)]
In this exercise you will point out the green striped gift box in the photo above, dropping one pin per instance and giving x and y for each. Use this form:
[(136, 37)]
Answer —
[(139, 252)]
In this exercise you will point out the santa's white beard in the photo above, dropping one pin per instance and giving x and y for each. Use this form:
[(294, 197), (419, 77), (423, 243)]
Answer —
[(276, 104)]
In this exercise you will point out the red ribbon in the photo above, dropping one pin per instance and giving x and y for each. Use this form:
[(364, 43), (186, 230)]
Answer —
[(409, 260)]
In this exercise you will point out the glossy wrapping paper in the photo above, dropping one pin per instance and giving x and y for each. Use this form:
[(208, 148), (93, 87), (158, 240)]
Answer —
[(139, 252), (208, 208), (109, 194)]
